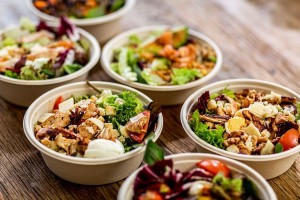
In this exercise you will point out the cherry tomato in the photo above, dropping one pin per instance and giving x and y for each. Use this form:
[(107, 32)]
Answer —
[(150, 195), (214, 167), (57, 102), (289, 139)]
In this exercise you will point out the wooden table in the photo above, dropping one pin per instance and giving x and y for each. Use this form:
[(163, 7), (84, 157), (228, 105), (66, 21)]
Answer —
[(259, 39)]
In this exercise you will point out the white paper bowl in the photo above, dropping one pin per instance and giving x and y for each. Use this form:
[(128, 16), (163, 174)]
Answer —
[(165, 95), (269, 166), (103, 28), (187, 161), (24, 92), (87, 171)]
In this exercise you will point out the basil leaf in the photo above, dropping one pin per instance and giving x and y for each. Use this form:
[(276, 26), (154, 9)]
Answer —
[(278, 148), (153, 153)]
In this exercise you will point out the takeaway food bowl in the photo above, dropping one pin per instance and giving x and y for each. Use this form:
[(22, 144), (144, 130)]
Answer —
[(187, 161), (87, 171), (279, 162)]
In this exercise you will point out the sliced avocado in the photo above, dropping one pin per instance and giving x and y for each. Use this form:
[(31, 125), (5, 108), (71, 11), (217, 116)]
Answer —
[(150, 44), (180, 35)]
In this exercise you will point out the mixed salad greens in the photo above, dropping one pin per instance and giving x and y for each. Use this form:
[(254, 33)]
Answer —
[(248, 121), (104, 125), (209, 179), (31, 52), (166, 57), (78, 9)]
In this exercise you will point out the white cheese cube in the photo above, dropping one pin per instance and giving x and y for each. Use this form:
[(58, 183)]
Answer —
[(252, 130), (110, 110), (97, 122), (268, 148), (66, 105), (45, 116)]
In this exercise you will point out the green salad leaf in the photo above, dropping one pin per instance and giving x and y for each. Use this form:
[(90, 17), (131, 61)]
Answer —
[(298, 111), (151, 78), (7, 42), (211, 136), (71, 68), (235, 184), (28, 73), (124, 111), (153, 153), (181, 76), (11, 74), (225, 91), (27, 24)]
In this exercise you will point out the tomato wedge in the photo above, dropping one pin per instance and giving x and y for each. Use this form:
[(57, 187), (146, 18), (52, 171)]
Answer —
[(290, 139), (139, 137), (57, 102), (150, 195), (214, 167)]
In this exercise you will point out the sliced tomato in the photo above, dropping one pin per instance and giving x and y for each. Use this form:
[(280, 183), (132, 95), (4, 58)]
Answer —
[(150, 195), (290, 139), (139, 137), (57, 102), (214, 167)]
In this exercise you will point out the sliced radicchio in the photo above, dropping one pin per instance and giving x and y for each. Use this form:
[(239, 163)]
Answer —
[(151, 178), (285, 126), (43, 26), (202, 102), (21, 63), (61, 59), (65, 28), (69, 29)]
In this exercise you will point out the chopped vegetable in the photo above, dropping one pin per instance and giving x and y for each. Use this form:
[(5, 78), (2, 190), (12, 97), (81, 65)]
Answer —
[(214, 167), (290, 139), (213, 136)]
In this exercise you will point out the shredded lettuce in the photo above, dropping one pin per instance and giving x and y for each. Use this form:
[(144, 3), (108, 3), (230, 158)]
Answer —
[(225, 91), (11, 74), (211, 136), (160, 63), (123, 67), (181, 76), (298, 111), (28, 73), (152, 79), (27, 24), (134, 40), (235, 184), (7, 42), (71, 68)]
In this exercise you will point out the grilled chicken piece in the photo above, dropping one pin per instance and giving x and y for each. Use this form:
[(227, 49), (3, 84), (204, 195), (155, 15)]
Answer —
[(214, 118)]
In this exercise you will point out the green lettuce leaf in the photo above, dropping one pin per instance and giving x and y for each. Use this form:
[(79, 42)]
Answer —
[(211, 136), (182, 76)]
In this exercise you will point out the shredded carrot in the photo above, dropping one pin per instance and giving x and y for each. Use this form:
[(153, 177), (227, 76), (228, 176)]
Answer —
[(91, 3), (40, 4), (62, 43)]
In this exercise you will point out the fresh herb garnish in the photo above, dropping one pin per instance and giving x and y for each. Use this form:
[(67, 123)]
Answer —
[(153, 153)]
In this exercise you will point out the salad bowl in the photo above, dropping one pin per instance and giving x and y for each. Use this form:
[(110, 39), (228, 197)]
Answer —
[(187, 161), (164, 94), (24, 92), (78, 169), (102, 27), (269, 164)]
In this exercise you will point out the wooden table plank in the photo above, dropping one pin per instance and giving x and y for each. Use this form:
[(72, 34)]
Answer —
[(259, 39)]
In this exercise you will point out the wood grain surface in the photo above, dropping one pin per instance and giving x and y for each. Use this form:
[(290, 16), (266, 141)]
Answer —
[(259, 39)]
